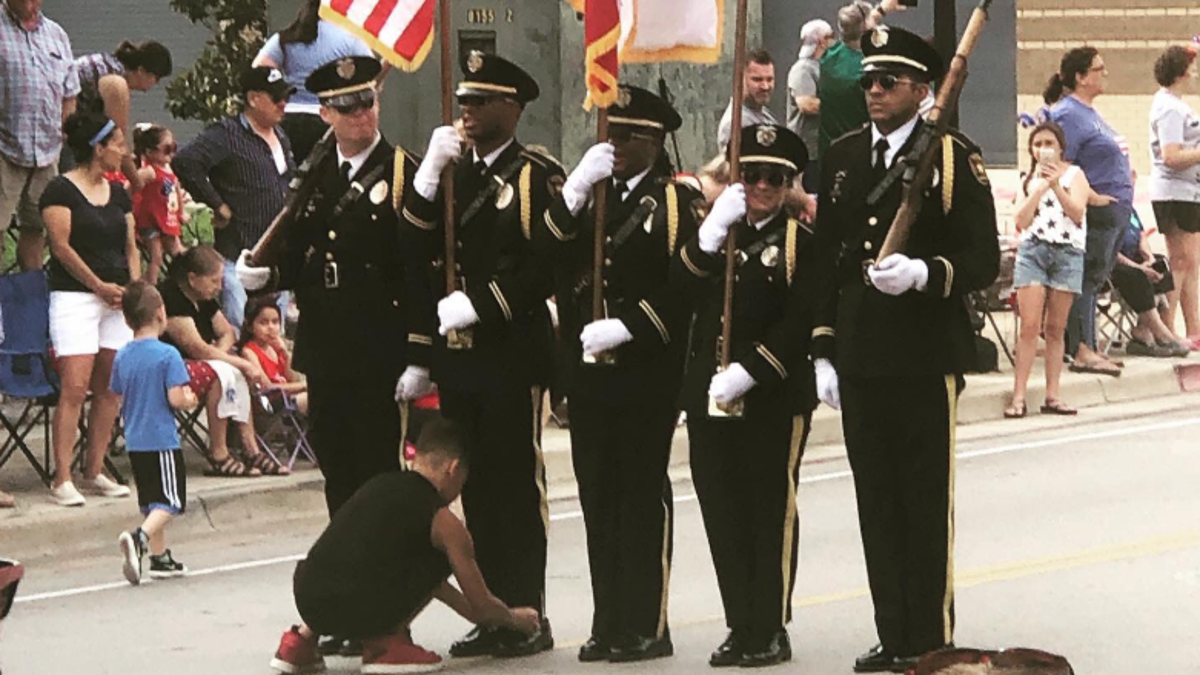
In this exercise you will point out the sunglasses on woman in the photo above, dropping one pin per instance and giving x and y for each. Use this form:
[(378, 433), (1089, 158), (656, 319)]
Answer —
[(774, 176), (886, 81)]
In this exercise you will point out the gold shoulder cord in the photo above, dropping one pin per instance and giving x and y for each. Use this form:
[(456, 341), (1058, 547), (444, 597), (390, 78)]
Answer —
[(398, 180), (526, 207), (947, 173), (672, 218), (793, 229)]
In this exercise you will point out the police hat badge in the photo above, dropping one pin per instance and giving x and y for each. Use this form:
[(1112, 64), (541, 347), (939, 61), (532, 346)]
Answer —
[(766, 136), (345, 68), (475, 61), (879, 37), (624, 96), (770, 256), (505, 196), (379, 193)]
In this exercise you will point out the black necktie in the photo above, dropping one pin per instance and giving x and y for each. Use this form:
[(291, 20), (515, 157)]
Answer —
[(620, 188), (881, 148), (346, 171), (481, 168)]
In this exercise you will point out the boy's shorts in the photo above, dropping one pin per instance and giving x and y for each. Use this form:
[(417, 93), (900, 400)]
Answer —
[(333, 605), (161, 479)]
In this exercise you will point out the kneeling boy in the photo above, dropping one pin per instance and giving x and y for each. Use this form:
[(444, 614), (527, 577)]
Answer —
[(387, 552)]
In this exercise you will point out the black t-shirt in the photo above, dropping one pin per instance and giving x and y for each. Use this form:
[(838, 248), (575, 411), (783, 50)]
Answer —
[(98, 234), (178, 305)]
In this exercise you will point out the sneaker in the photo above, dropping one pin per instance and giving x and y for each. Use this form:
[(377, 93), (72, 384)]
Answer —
[(297, 654), (397, 655), (66, 495), (165, 567), (133, 547), (104, 486)]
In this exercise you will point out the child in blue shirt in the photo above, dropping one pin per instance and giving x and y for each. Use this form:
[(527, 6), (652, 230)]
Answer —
[(152, 378)]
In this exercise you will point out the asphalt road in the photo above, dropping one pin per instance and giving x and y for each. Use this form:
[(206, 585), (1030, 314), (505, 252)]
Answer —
[(1076, 536)]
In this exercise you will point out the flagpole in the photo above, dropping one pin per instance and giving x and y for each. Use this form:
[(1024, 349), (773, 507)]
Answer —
[(600, 195), (735, 175), (448, 173)]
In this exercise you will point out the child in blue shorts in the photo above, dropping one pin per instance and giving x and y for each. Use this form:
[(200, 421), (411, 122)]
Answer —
[(152, 378)]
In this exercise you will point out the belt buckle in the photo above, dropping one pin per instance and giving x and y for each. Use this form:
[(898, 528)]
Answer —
[(332, 279)]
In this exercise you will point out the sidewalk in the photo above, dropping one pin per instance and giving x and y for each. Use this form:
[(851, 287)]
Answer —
[(38, 528)]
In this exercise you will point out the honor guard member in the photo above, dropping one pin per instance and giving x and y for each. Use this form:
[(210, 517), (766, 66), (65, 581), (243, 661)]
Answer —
[(898, 331), (495, 353), (359, 330), (624, 397), (745, 467)]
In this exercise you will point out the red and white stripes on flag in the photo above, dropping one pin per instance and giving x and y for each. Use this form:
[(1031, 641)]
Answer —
[(399, 30)]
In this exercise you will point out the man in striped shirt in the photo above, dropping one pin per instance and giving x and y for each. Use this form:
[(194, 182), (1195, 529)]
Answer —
[(240, 167)]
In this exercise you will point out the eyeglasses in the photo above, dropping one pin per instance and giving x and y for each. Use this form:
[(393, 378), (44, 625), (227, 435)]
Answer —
[(774, 176), (356, 106), (11, 572), (886, 80), (1022, 660)]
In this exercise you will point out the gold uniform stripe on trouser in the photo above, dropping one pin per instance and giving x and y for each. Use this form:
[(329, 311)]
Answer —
[(791, 515), (539, 464), (948, 600), (666, 572)]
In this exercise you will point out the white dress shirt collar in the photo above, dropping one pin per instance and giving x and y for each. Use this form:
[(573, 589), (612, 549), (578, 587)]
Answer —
[(492, 156), (357, 161), (896, 139), (632, 183)]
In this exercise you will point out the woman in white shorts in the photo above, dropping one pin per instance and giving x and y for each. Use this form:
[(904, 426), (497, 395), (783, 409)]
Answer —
[(93, 256)]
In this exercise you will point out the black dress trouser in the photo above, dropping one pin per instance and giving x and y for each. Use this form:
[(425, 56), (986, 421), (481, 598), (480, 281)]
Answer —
[(900, 441)]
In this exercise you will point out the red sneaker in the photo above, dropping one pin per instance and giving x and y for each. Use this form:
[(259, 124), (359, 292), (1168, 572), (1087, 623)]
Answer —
[(297, 654), (396, 654)]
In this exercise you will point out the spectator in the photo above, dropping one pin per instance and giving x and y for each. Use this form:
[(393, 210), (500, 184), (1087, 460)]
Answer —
[(1094, 147), (1175, 182), (158, 209), (38, 85), (105, 81), (759, 84), (306, 44), (219, 378), (1049, 267), (240, 167), (262, 343), (92, 257), (803, 94), (843, 105), (1139, 276)]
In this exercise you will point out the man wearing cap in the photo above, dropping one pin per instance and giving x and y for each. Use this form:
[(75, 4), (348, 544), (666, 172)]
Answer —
[(240, 167), (745, 465), (495, 351), (624, 368), (898, 331)]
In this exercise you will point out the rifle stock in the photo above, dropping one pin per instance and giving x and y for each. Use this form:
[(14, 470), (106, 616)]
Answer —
[(267, 251)]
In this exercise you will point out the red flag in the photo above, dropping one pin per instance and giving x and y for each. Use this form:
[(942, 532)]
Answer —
[(399, 30), (602, 35)]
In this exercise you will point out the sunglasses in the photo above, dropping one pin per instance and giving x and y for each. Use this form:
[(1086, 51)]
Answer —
[(774, 176), (355, 107), (169, 149), (1020, 660), (474, 101), (618, 134), (886, 80), (11, 572)]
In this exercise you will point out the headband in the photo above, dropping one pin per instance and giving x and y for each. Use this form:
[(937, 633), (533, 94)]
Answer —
[(103, 133)]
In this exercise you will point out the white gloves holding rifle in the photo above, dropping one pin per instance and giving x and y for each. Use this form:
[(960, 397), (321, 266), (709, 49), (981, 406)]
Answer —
[(456, 311), (729, 208), (731, 384), (413, 384), (604, 335), (445, 145), (827, 384), (252, 278), (898, 274), (596, 165)]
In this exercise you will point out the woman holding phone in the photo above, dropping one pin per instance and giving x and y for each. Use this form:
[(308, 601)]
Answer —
[(1049, 267)]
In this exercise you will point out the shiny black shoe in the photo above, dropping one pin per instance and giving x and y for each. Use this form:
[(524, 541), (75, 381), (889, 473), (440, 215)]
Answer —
[(641, 648), (775, 649), (351, 648), (330, 645), (595, 649), (512, 644), (730, 652), (481, 641), (879, 660)]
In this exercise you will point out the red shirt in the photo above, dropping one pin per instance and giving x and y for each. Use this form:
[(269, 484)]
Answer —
[(274, 370), (158, 205)]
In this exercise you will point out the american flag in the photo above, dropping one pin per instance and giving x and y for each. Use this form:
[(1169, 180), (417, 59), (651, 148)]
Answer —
[(399, 30)]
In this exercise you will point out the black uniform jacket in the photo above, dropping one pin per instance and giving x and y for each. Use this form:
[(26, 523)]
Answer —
[(375, 321), (772, 315), (497, 239), (872, 334), (644, 233)]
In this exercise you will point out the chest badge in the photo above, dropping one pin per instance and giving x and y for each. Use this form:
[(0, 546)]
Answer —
[(770, 256), (379, 193), (504, 197)]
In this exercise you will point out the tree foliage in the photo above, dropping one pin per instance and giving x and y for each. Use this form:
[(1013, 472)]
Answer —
[(208, 90)]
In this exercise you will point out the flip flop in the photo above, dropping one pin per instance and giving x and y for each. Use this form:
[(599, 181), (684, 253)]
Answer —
[(1053, 406), (1016, 411), (1095, 368)]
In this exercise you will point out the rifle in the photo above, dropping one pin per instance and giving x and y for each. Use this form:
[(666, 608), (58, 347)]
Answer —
[(269, 248), (916, 168)]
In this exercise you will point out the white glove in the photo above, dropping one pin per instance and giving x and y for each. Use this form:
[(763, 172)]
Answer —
[(729, 208), (455, 311), (596, 165), (252, 278), (603, 335), (731, 384), (413, 384), (827, 384), (445, 145), (897, 274)]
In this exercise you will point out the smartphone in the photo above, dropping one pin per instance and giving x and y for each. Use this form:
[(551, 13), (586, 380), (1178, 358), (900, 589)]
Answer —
[(1046, 155)]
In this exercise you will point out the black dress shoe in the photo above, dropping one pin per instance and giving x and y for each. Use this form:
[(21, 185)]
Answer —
[(480, 641), (776, 648), (595, 649), (879, 660), (641, 648), (513, 644), (351, 648), (729, 653), (330, 645)]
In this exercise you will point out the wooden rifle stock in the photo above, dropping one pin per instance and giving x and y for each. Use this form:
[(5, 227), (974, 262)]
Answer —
[(919, 163), (267, 251)]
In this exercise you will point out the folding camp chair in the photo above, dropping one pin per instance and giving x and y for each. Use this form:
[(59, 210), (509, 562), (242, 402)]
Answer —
[(25, 371), (1115, 320), (192, 429), (282, 414)]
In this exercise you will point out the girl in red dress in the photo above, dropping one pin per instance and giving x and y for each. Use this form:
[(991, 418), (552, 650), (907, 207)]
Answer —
[(262, 343), (158, 208)]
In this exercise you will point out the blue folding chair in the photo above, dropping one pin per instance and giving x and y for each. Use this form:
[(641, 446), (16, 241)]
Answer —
[(25, 370)]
